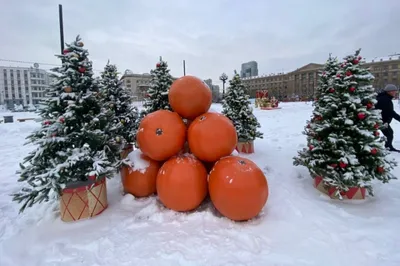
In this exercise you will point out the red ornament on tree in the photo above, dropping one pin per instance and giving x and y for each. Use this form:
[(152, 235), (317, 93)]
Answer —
[(361, 116), (380, 169), (158, 65), (355, 61), (376, 126), (348, 73), (47, 122), (82, 69), (376, 133), (331, 90), (66, 51), (338, 75), (62, 120), (342, 164), (311, 147), (374, 151), (359, 58), (343, 65), (334, 165), (369, 105), (308, 125), (352, 89)]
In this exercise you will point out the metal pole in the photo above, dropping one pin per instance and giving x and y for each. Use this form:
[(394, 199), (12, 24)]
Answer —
[(184, 68), (60, 15)]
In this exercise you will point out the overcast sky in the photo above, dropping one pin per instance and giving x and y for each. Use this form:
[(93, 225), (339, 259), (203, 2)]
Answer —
[(213, 36)]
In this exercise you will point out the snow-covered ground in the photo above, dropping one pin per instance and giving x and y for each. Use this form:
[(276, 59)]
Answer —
[(298, 226)]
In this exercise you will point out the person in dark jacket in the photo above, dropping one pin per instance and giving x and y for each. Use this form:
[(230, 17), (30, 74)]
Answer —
[(385, 104)]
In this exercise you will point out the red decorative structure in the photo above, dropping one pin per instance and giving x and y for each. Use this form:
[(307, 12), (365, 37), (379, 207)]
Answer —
[(354, 193), (83, 200), (245, 147), (265, 102)]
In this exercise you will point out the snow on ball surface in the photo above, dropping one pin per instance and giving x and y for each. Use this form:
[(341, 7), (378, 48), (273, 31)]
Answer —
[(190, 97), (212, 136), (182, 183), (161, 134), (238, 188), (139, 178)]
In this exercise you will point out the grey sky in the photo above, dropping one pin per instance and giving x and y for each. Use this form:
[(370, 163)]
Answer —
[(213, 36)]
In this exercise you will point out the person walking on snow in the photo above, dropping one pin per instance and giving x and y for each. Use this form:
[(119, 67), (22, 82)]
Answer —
[(385, 104)]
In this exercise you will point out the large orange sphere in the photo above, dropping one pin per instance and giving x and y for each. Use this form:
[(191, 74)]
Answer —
[(212, 136), (238, 188), (161, 134), (182, 183), (140, 179), (189, 97)]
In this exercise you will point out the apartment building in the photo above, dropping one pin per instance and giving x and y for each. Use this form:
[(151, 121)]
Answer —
[(249, 69), (22, 86), (138, 84), (302, 82)]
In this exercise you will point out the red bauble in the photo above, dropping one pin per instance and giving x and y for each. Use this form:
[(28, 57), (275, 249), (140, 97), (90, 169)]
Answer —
[(308, 126), (380, 169), (355, 61), (331, 90), (82, 69), (352, 89), (359, 58), (66, 51), (311, 147), (370, 105), (348, 73), (343, 65), (158, 65), (361, 116), (334, 165), (47, 122), (377, 133), (343, 165), (374, 151), (376, 126), (62, 120), (338, 75), (323, 73)]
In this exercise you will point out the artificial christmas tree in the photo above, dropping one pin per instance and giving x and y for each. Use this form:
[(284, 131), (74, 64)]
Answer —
[(237, 107), (344, 150), (157, 94), (116, 99), (71, 144)]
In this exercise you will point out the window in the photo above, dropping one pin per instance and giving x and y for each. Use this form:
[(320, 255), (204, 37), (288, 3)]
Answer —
[(394, 66)]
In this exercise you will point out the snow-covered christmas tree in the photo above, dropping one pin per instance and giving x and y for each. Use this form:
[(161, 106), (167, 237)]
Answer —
[(157, 95), (237, 107), (71, 144), (344, 146), (124, 123)]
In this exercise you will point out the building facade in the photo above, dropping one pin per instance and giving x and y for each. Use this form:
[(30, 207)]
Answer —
[(249, 69), (22, 86), (302, 83), (216, 96)]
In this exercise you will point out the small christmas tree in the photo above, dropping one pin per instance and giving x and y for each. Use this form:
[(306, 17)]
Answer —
[(237, 107), (344, 146), (71, 142), (117, 100), (157, 98)]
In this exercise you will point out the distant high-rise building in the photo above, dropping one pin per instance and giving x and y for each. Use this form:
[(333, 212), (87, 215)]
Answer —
[(22, 85), (249, 69)]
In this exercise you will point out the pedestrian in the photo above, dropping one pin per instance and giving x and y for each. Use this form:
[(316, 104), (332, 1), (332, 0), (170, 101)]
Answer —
[(385, 104)]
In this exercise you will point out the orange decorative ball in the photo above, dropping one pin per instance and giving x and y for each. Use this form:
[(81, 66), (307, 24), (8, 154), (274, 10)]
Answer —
[(238, 188), (212, 136), (189, 97), (182, 183), (140, 178), (161, 134)]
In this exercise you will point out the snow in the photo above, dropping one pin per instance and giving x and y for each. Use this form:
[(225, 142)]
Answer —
[(298, 226), (137, 163)]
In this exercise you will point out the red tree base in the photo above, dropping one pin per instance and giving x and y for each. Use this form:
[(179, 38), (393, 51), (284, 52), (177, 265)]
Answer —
[(354, 193), (245, 147)]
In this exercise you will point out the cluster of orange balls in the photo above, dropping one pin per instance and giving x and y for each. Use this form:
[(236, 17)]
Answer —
[(187, 160)]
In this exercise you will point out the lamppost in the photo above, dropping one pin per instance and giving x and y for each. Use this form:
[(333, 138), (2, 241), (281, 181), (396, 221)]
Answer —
[(223, 78)]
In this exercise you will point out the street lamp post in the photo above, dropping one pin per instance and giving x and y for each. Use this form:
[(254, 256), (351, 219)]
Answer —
[(223, 78)]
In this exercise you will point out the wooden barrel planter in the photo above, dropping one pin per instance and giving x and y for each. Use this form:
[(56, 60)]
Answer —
[(245, 146), (82, 200)]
